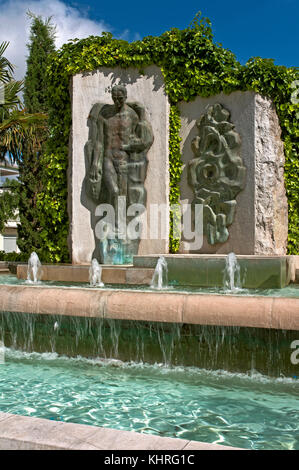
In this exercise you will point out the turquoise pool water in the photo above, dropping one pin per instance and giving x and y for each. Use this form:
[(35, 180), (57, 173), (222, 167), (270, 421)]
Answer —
[(290, 291), (252, 412)]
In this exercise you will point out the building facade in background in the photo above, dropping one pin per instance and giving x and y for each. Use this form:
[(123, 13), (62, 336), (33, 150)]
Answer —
[(8, 239)]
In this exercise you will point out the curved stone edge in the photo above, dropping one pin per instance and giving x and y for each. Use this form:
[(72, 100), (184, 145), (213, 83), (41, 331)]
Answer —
[(175, 307), (28, 433)]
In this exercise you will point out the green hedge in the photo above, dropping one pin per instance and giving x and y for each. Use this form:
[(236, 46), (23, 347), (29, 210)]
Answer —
[(192, 64), (13, 256)]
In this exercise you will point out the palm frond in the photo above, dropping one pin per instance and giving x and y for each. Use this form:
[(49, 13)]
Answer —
[(12, 100), (18, 128), (6, 67), (20, 118)]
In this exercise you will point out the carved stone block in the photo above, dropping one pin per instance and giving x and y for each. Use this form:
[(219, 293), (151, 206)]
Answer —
[(249, 213), (143, 177)]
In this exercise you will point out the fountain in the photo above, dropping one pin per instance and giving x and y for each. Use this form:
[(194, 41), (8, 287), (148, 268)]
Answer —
[(232, 277), (160, 277), (34, 269), (95, 274), (116, 181)]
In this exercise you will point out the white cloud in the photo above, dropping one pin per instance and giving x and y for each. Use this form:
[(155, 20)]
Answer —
[(15, 26)]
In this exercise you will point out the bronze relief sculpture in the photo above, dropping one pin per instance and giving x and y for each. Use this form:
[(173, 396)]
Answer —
[(216, 173), (119, 139)]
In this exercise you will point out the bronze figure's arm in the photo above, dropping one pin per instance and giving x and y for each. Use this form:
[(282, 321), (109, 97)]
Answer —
[(143, 136), (98, 150)]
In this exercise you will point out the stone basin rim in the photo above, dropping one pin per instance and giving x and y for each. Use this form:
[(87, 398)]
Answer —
[(30, 433), (154, 306)]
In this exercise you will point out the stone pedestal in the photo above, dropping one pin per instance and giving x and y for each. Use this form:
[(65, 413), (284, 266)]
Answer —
[(95, 87), (260, 224), (256, 272)]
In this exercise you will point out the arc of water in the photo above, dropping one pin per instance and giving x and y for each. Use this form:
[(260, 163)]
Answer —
[(34, 268), (160, 277), (95, 274), (232, 277)]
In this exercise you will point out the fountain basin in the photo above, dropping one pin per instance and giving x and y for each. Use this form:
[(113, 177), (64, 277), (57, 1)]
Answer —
[(241, 410), (159, 306), (224, 332), (256, 272), (88, 327), (207, 270)]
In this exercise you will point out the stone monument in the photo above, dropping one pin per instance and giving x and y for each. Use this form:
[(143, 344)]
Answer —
[(119, 157)]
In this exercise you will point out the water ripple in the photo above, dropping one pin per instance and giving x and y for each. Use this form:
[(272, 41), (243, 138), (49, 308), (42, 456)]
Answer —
[(231, 409)]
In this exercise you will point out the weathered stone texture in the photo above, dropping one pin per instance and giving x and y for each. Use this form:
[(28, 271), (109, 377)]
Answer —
[(271, 206)]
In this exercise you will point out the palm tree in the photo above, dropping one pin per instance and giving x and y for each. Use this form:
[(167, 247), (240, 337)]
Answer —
[(16, 125)]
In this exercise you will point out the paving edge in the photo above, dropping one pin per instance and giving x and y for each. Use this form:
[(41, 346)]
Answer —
[(28, 433)]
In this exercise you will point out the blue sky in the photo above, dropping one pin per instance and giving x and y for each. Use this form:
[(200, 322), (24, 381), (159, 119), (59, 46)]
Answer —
[(265, 28)]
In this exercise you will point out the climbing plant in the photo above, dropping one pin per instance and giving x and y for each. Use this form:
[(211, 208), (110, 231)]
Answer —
[(192, 64)]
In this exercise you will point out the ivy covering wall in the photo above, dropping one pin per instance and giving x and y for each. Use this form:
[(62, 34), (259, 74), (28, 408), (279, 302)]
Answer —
[(192, 64)]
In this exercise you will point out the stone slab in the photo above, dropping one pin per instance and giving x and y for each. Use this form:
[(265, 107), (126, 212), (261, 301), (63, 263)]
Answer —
[(284, 312), (93, 87), (261, 220), (28, 433), (228, 311), (23, 432), (207, 270), (80, 274), (145, 307)]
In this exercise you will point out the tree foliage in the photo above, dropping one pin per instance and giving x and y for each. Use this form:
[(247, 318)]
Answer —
[(41, 44), (32, 171)]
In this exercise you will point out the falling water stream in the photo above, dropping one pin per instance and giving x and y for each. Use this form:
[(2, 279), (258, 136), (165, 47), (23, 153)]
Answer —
[(235, 349), (228, 385)]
